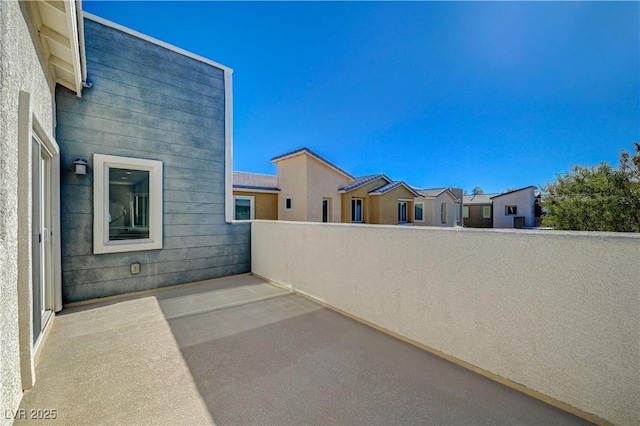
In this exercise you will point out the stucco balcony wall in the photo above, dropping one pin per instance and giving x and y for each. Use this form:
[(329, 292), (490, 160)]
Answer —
[(557, 312)]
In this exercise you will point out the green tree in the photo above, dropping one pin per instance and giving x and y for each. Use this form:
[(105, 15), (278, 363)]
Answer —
[(477, 191), (601, 198)]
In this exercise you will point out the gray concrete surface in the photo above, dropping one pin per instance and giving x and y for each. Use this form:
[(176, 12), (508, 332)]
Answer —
[(240, 351)]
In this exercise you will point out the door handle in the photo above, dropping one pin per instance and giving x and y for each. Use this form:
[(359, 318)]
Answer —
[(45, 234)]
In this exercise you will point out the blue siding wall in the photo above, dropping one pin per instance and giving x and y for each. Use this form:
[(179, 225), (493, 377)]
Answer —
[(147, 102)]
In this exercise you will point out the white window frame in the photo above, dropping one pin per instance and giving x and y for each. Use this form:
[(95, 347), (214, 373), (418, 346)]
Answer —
[(284, 203), (415, 216), (484, 210), (353, 214), (506, 210), (101, 165), (443, 213), (252, 206), (465, 212)]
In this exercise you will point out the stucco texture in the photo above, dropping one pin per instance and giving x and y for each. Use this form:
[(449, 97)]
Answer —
[(554, 311), (20, 70)]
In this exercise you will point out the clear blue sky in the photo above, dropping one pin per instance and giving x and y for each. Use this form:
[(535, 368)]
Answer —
[(497, 95)]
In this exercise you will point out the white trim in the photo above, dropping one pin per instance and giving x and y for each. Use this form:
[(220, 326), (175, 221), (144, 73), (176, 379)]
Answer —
[(410, 200), (155, 41), (361, 210), (284, 203), (415, 204), (252, 207), (72, 27), (406, 211), (228, 146), (101, 243)]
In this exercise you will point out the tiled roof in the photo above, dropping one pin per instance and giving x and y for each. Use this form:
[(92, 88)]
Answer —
[(515, 190), (362, 180), (313, 154), (435, 192), (431, 193), (246, 180), (392, 185), (478, 199)]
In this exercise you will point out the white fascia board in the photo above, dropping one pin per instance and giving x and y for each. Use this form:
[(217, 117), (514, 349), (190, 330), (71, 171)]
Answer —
[(228, 145), (74, 42), (156, 41)]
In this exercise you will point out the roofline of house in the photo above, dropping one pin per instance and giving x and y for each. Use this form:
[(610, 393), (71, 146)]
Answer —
[(392, 186), (315, 155), (155, 41), (515, 190), (249, 188), (255, 174), (360, 184)]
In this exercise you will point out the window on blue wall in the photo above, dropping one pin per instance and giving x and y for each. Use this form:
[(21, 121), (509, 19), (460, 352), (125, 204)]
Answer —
[(127, 194)]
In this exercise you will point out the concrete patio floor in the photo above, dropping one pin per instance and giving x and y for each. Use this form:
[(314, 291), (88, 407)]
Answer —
[(240, 351)]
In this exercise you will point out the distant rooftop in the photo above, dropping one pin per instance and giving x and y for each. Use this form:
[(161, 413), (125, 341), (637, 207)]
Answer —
[(255, 181), (478, 199), (319, 157), (392, 185), (515, 190), (361, 181)]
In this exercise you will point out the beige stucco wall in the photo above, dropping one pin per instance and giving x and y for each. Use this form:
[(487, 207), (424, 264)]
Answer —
[(20, 70), (523, 199), (323, 182), (266, 205), (362, 192), (555, 311), (388, 206), (292, 181)]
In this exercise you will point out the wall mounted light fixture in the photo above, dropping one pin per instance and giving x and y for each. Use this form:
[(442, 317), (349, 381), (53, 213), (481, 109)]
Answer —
[(80, 164)]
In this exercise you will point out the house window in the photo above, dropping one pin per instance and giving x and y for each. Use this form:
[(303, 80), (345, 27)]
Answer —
[(127, 193), (486, 212), (288, 203), (510, 210), (443, 213), (402, 212), (465, 212), (326, 210), (418, 212), (457, 212), (243, 207), (356, 210)]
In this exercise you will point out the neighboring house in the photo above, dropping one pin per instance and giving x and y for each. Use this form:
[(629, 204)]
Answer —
[(313, 189), (255, 196), (309, 186), (477, 210), (436, 207), (391, 204), (515, 209), (110, 184), (356, 207)]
